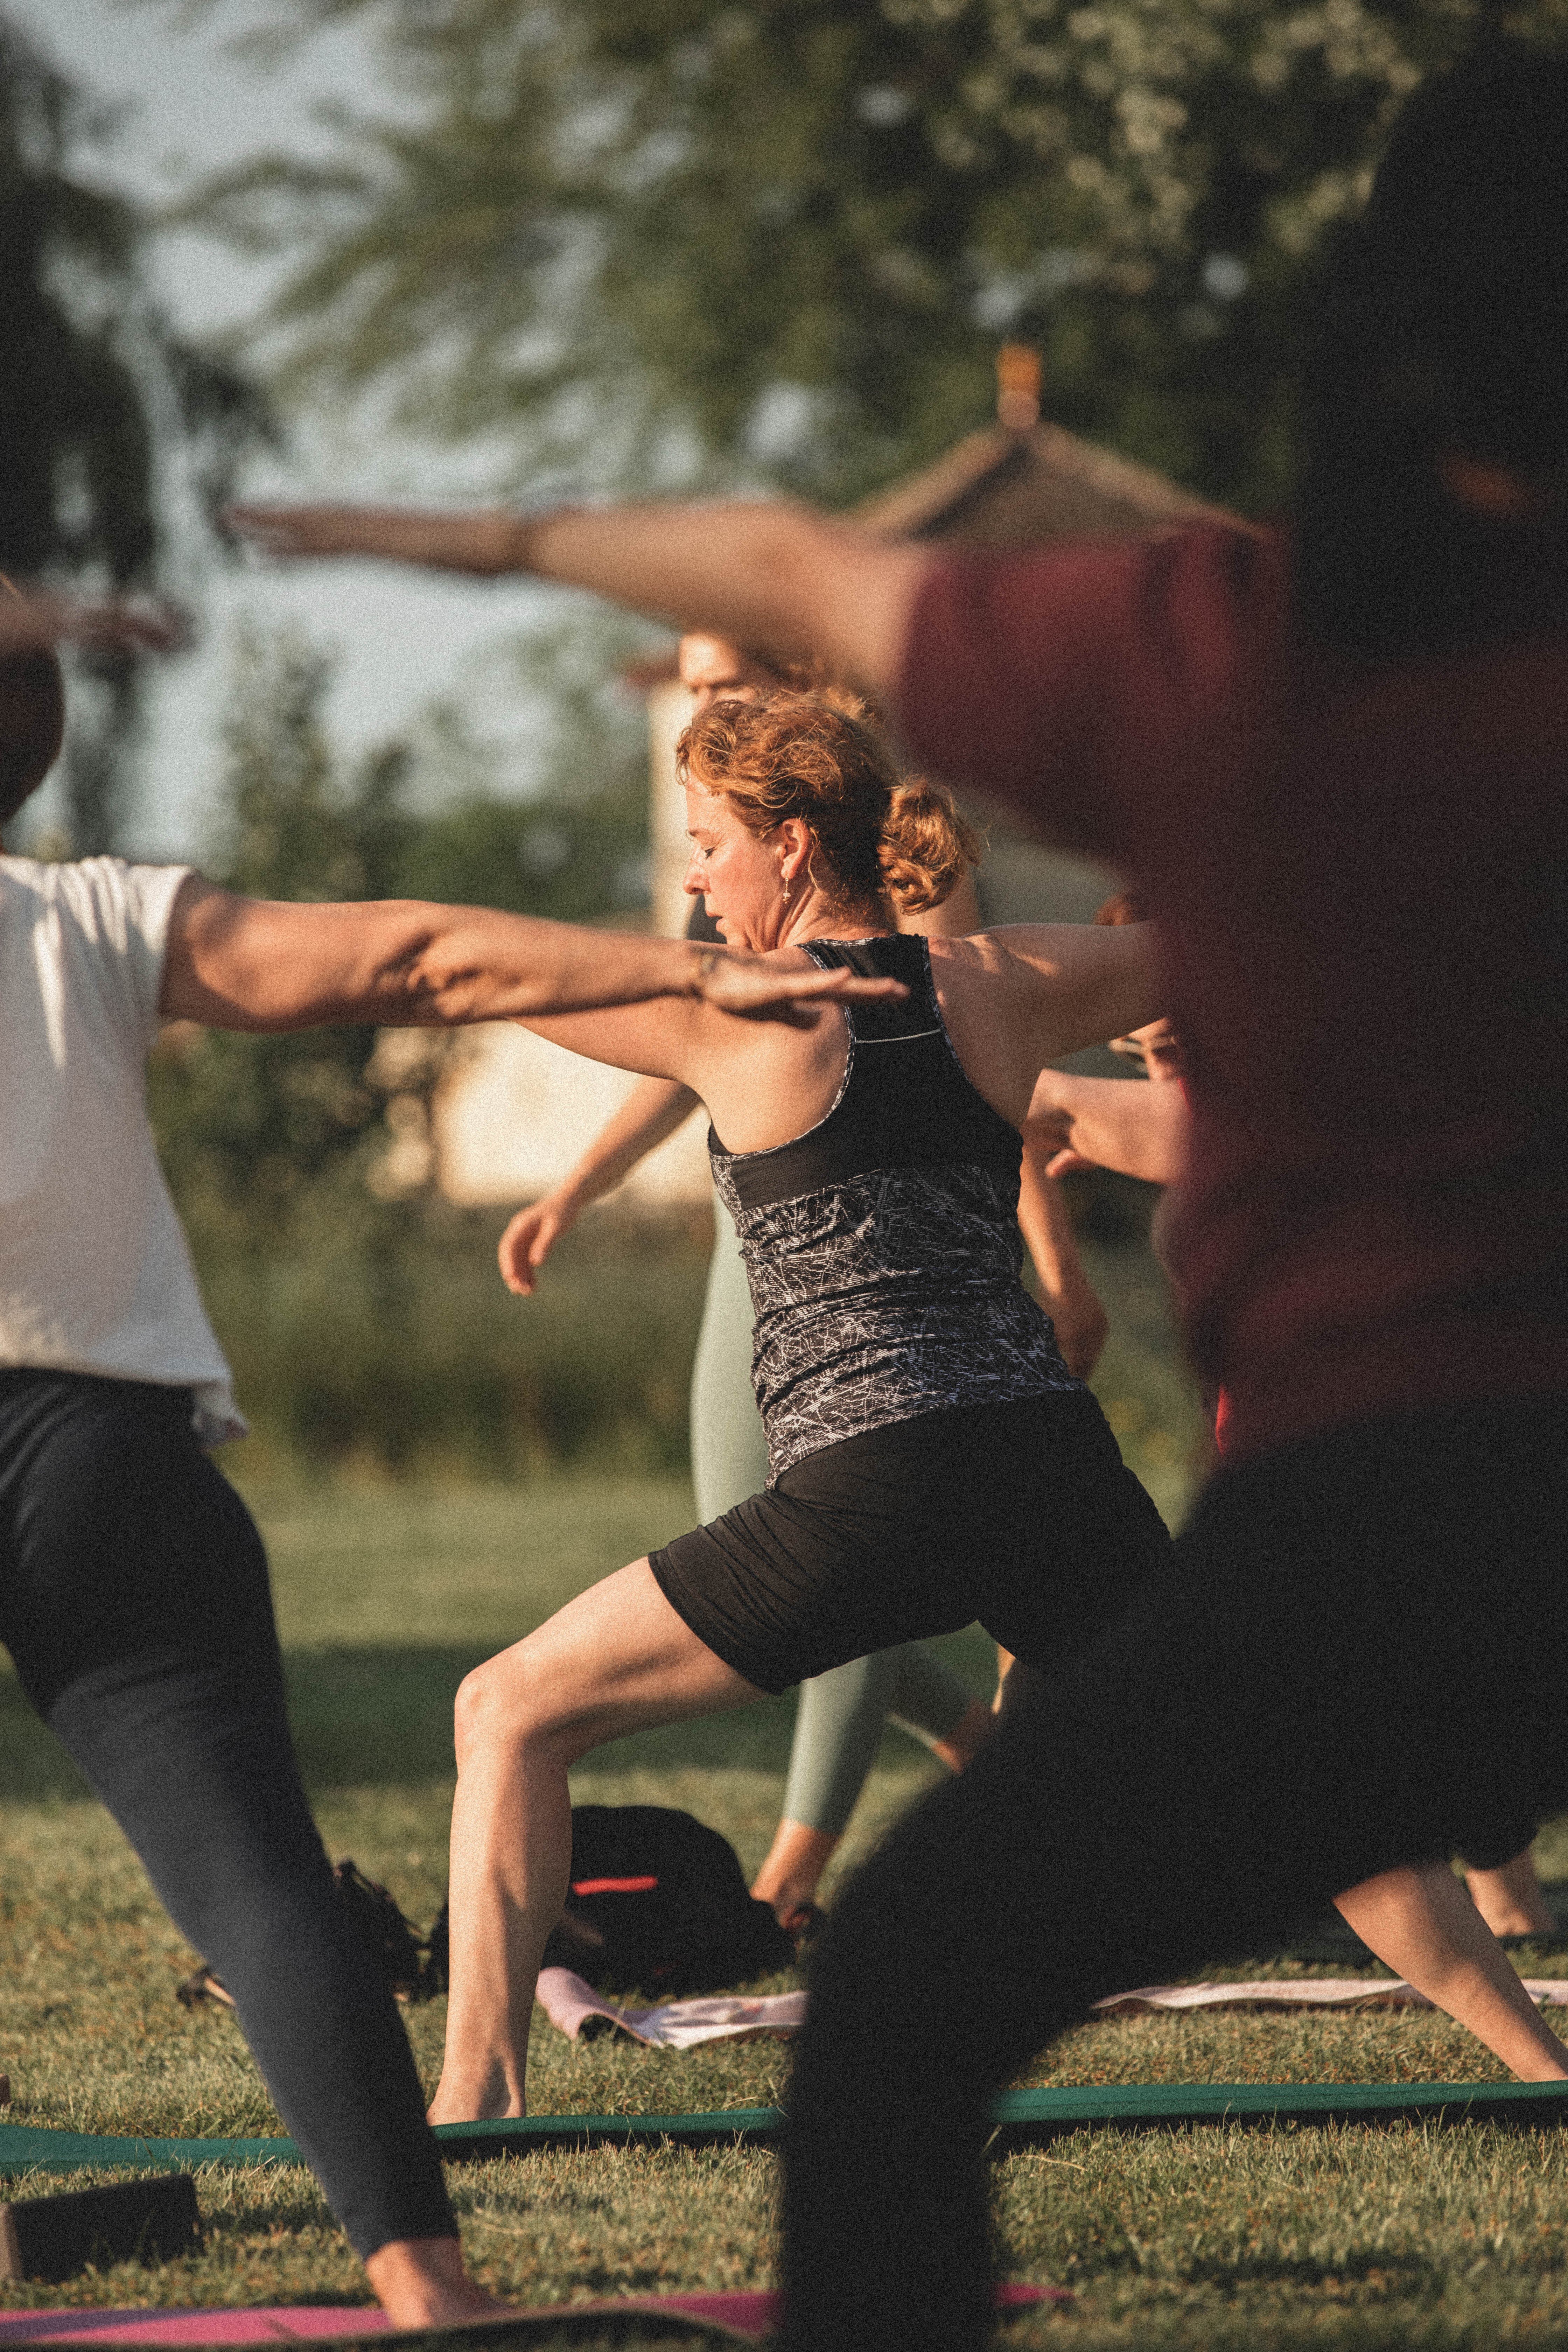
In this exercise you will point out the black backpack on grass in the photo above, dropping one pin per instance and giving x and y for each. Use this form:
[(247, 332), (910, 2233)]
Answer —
[(395, 1944), (657, 1904)]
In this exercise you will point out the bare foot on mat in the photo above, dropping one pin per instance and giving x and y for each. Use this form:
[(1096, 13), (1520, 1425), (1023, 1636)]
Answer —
[(421, 2282)]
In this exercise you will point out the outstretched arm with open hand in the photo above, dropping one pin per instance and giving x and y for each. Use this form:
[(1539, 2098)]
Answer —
[(256, 963), (776, 576), (32, 619)]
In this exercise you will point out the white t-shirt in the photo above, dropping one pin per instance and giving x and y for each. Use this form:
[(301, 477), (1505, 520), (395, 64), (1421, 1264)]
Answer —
[(95, 1275)]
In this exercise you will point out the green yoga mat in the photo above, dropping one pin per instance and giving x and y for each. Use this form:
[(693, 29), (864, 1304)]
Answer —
[(1023, 2119)]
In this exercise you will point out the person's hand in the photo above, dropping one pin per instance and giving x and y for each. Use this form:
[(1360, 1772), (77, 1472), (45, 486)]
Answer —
[(1048, 1128), (754, 988), (530, 1238), (484, 541), (35, 620)]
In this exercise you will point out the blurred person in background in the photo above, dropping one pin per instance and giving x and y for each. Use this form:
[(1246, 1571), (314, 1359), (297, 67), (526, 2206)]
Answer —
[(1441, 1938)]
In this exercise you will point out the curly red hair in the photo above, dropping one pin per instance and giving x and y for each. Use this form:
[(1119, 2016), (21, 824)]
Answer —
[(819, 757)]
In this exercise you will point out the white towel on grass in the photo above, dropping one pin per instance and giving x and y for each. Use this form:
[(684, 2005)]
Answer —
[(568, 2003)]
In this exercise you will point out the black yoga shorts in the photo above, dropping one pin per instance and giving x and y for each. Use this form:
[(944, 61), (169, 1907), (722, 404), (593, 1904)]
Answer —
[(1020, 1515)]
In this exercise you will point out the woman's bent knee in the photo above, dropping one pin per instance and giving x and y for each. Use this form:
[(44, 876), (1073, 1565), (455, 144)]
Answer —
[(492, 1709)]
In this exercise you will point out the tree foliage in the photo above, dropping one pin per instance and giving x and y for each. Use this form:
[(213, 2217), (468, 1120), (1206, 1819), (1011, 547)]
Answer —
[(784, 235), (263, 1135), (106, 416)]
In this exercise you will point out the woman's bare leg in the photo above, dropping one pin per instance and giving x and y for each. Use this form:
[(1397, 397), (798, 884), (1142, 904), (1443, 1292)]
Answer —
[(1425, 1926), (1509, 1898), (615, 1660)]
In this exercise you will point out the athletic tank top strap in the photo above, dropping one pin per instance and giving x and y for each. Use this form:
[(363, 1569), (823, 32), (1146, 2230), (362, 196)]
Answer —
[(893, 955), (904, 1101)]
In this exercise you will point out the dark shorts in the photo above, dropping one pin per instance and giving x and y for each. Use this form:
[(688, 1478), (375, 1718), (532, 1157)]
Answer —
[(1021, 1516)]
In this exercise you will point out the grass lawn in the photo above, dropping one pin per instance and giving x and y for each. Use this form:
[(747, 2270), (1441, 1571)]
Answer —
[(1336, 2237)]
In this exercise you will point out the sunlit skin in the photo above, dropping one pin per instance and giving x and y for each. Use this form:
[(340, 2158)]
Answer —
[(758, 889), (775, 575)]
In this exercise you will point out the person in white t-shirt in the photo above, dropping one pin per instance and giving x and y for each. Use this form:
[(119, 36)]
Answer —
[(133, 1586)]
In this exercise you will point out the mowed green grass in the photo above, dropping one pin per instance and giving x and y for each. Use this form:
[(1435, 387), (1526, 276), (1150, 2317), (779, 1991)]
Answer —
[(1342, 2237)]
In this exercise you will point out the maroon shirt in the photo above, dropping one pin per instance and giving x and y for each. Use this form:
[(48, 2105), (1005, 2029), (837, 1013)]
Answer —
[(1362, 875)]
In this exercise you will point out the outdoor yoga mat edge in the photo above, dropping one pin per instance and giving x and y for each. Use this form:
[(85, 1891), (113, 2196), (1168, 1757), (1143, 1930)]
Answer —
[(1021, 2117)]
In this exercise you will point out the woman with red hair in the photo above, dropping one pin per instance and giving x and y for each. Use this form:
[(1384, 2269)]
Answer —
[(931, 1459)]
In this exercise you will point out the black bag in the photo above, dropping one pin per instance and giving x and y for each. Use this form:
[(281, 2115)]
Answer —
[(657, 1904), (395, 1944)]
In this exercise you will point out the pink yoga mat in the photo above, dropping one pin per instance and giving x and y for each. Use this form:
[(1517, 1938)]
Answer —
[(752, 2315)]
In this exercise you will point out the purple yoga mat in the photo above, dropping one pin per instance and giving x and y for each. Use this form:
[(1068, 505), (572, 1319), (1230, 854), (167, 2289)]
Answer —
[(751, 2316)]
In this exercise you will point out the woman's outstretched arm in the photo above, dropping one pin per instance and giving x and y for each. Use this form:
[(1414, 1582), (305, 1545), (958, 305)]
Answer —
[(777, 577), (255, 963)]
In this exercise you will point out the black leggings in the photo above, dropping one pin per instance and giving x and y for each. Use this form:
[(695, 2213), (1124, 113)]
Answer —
[(135, 1604), (1354, 1662)]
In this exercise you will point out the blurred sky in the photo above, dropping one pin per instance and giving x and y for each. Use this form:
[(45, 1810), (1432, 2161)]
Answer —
[(184, 103)]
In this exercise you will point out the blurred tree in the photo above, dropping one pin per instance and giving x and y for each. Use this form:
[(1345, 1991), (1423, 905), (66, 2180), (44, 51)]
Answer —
[(106, 416), (576, 848), (263, 1134), (248, 1125), (638, 235)]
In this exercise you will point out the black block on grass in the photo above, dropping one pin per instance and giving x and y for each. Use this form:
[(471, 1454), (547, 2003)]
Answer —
[(52, 2238)]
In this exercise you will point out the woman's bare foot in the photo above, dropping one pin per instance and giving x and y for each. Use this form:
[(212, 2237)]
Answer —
[(421, 2282), (1510, 1899)]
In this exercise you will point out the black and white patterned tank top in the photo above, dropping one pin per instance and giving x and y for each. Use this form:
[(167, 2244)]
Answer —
[(882, 1247)]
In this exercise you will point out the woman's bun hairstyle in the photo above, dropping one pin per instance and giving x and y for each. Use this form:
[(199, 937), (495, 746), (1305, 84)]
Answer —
[(928, 845), (821, 758), (32, 722)]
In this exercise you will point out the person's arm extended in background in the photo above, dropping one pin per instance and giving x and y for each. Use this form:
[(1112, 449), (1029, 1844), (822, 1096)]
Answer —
[(1127, 1124), (1062, 986), (1066, 1294), (256, 963), (34, 620), (778, 578), (649, 1117)]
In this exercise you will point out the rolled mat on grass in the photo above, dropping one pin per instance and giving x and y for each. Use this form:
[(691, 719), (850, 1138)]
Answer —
[(1021, 2119), (1300, 1992), (748, 2317)]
